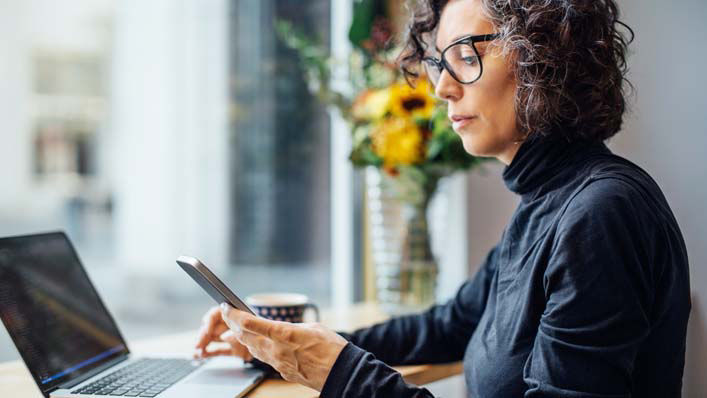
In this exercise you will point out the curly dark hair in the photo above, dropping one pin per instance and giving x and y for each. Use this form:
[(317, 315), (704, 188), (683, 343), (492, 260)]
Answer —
[(568, 58)]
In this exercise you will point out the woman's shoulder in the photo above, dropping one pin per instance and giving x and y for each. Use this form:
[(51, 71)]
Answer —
[(616, 187), (609, 165)]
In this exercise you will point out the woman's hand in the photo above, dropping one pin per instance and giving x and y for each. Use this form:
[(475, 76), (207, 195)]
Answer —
[(213, 329), (302, 353)]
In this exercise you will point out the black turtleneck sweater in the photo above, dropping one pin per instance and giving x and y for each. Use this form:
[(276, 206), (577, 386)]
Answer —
[(585, 295)]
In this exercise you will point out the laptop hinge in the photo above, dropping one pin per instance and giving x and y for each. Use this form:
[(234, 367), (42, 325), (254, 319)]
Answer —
[(73, 382)]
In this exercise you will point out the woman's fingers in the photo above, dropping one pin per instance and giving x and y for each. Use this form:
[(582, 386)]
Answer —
[(242, 352), (217, 352), (300, 353), (238, 320), (211, 318), (225, 335), (208, 316), (209, 334), (214, 334), (237, 348), (212, 327), (258, 345)]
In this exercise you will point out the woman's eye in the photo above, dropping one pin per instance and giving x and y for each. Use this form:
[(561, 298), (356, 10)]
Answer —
[(471, 60)]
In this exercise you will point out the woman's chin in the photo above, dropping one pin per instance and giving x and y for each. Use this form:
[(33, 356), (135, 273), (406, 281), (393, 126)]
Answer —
[(473, 146)]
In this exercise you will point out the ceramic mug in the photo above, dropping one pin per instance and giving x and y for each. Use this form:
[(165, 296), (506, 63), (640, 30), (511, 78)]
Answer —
[(285, 307)]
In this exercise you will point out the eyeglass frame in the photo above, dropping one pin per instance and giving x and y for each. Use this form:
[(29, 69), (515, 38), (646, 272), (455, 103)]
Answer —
[(441, 64)]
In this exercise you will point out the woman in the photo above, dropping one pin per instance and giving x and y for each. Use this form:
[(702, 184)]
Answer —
[(587, 292)]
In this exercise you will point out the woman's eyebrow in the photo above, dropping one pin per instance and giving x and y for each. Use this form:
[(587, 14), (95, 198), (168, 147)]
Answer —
[(451, 41)]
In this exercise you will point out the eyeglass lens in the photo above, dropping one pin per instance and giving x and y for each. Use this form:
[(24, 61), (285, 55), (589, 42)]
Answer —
[(463, 61)]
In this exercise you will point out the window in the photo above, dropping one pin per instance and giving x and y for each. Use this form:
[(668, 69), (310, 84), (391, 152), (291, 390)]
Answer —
[(147, 130), (280, 150)]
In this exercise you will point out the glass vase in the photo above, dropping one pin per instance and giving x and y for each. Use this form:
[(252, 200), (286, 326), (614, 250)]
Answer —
[(405, 267)]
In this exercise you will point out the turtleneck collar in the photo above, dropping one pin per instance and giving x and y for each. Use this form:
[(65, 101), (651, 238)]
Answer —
[(541, 157)]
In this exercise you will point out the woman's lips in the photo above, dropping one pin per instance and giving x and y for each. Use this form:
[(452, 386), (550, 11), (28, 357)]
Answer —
[(461, 121)]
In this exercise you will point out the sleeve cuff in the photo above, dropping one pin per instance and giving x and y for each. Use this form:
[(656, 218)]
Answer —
[(340, 372), (347, 336)]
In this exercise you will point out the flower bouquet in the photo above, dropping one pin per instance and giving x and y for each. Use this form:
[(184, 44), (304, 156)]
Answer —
[(401, 130)]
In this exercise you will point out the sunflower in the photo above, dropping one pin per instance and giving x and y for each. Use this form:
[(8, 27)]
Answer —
[(398, 141), (371, 104), (412, 102)]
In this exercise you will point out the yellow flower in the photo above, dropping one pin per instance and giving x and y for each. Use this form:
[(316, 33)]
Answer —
[(406, 101), (371, 104), (398, 141)]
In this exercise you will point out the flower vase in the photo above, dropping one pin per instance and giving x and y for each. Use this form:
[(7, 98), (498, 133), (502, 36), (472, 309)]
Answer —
[(404, 265)]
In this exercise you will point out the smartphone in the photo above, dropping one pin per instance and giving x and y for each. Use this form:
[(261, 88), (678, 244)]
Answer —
[(211, 283)]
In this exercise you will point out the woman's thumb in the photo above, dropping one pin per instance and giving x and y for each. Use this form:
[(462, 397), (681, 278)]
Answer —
[(229, 337)]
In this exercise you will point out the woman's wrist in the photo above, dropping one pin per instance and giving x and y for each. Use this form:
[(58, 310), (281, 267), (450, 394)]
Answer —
[(341, 372)]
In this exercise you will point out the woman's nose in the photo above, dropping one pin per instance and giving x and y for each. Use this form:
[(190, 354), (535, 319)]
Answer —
[(447, 88)]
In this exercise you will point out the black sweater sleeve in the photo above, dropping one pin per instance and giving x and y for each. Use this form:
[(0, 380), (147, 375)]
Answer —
[(357, 373), (436, 336)]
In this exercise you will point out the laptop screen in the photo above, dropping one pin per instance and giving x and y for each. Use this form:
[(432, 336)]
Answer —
[(52, 311)]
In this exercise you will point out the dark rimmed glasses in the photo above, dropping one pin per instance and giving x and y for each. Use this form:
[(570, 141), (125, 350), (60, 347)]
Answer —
[(461, 59)]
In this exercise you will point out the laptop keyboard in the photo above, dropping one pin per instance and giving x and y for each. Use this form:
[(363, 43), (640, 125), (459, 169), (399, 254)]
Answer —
[(146, 377)]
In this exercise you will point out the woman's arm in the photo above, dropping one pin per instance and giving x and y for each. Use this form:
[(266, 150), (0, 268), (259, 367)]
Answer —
[(319, 358), (308, 353), (357, 374), (436, 336)]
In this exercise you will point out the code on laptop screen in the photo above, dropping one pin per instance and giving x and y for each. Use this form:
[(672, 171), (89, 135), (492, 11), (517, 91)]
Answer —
[(52, 311)]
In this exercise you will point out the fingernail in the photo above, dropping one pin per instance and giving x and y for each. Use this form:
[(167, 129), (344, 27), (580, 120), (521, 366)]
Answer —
[(225, 310), (198, 352)]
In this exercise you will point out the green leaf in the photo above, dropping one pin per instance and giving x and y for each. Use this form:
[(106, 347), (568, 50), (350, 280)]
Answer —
[(360, 134), (364, 13), (363, 155), (370, 157), (434, 148)]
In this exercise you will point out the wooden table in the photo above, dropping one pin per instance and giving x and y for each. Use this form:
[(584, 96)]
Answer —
[(15, 380)]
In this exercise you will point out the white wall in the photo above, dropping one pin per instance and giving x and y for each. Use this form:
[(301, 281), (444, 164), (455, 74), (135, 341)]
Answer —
[(14, 101), (666, 134), (490, 207), (448, 231)]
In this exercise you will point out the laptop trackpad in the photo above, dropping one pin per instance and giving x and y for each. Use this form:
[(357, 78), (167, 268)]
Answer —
[(220, 377), (223, 371)]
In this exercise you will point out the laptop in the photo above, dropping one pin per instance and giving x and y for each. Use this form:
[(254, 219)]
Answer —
[(71, 344)]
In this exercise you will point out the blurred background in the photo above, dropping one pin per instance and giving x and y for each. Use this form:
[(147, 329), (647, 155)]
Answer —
[(150, 129)]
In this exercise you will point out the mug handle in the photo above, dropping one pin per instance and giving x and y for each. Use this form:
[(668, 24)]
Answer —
[(314, 307)]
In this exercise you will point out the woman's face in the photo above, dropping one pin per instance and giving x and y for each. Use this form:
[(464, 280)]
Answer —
[(489, 128)]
